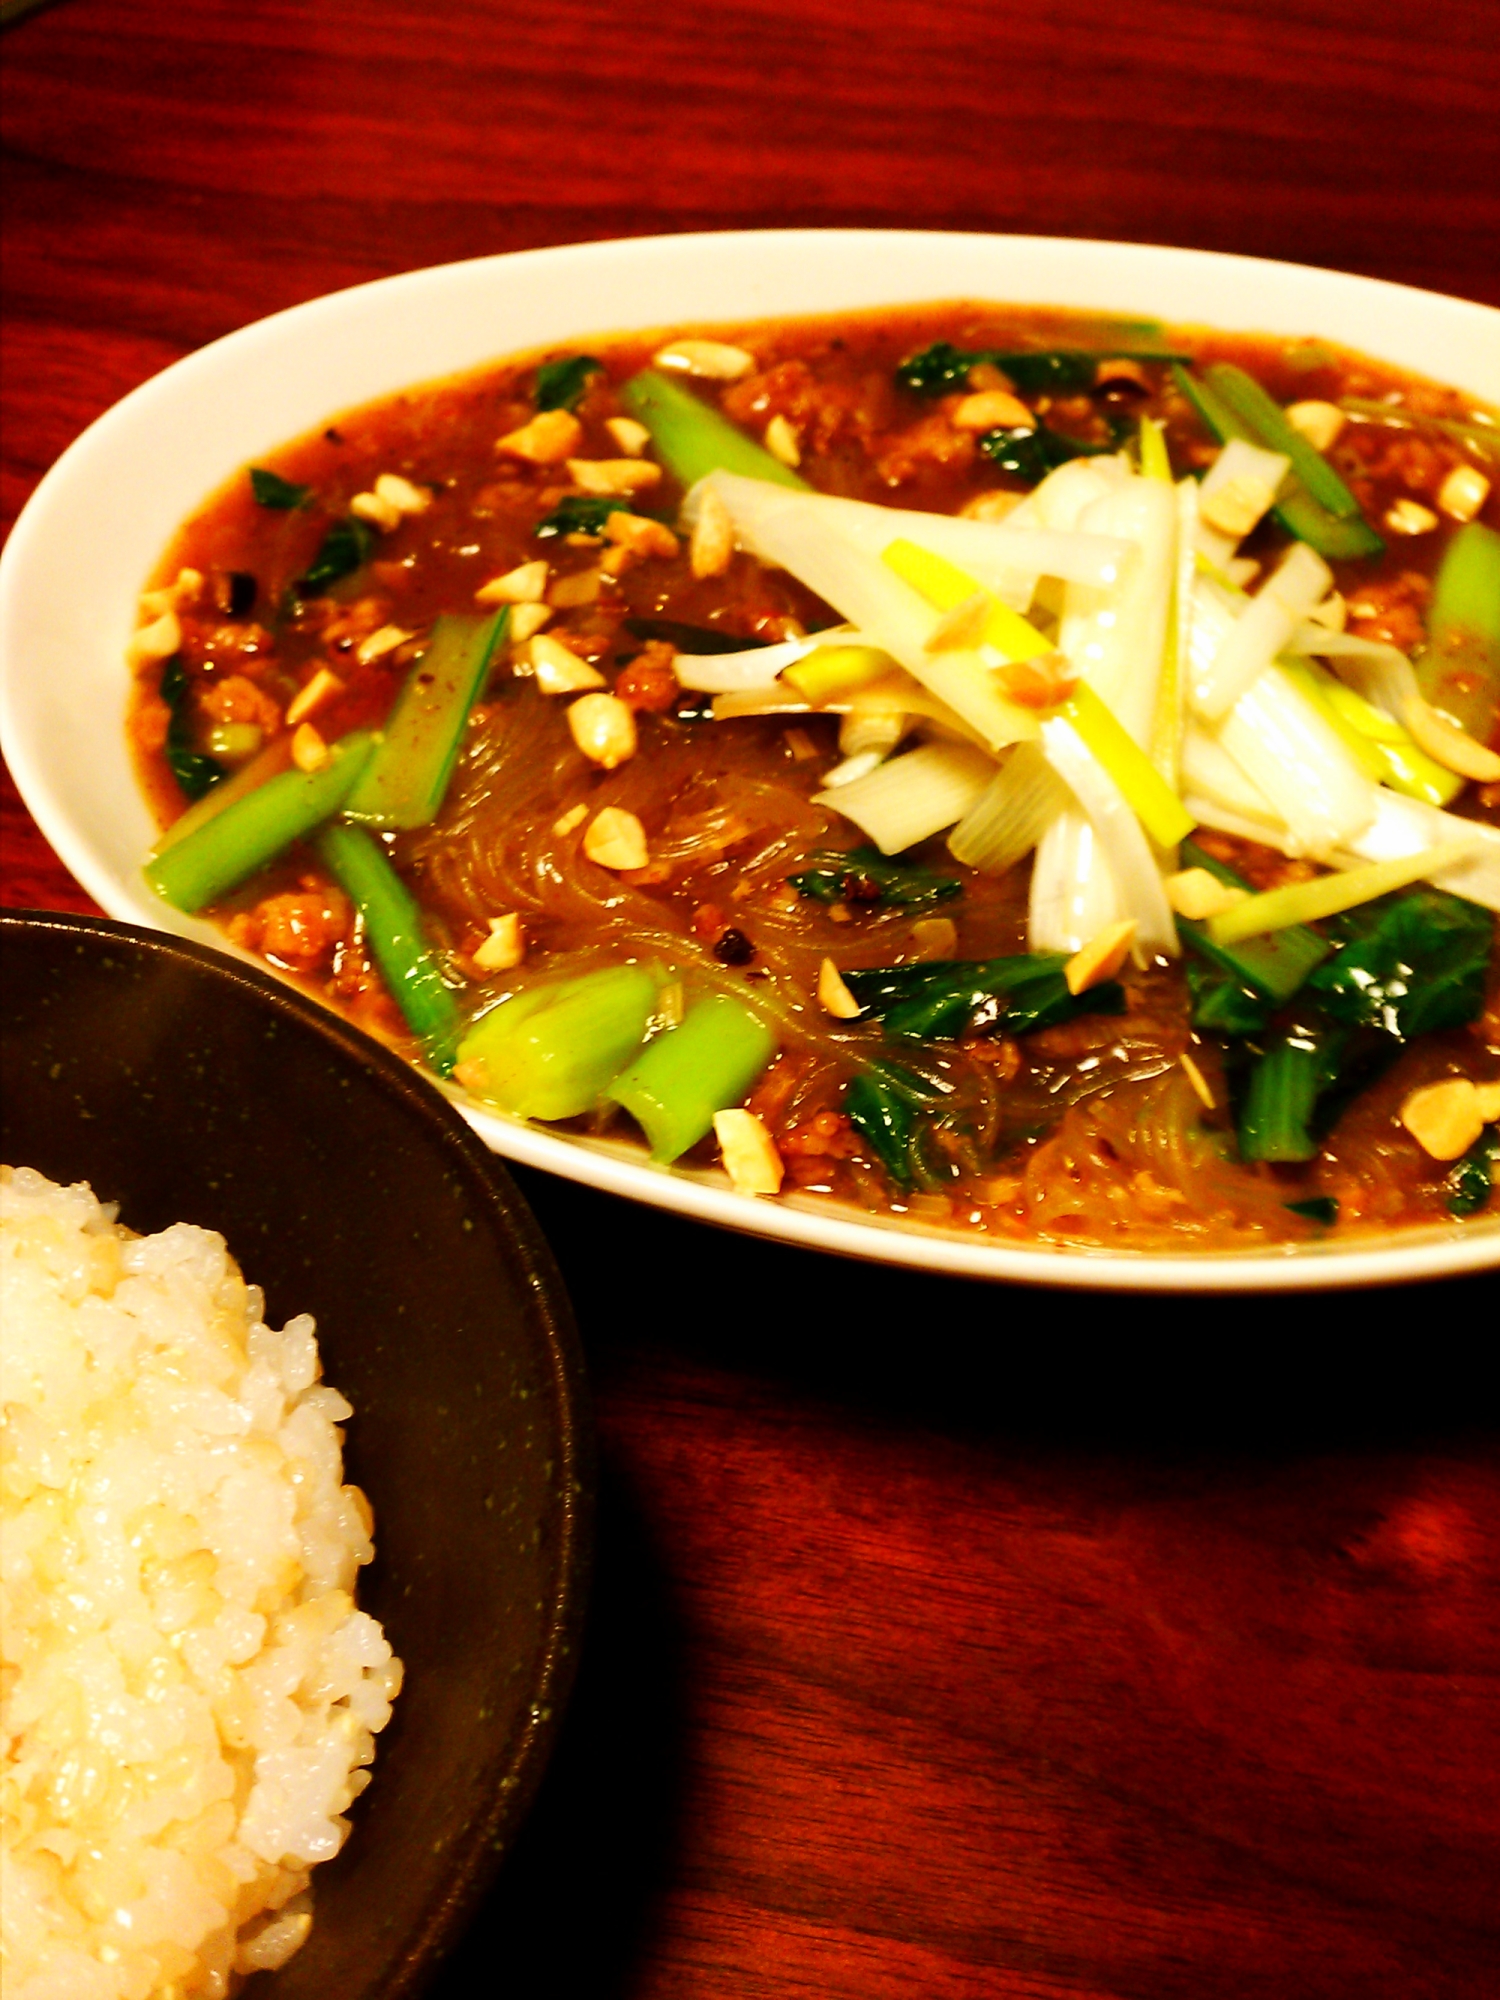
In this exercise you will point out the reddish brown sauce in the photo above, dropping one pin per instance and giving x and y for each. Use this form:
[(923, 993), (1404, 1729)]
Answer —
[(1091, 1132)]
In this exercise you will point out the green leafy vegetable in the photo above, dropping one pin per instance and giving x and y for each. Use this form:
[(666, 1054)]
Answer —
[(1280, 1100), (1472, 1179), (1412, 963), (550, 1052), (681, 1079), (887, 1105), (344, 549), (867, 879), (1030, 454), (946, 998), (271, 490), (222, 852), (943, 369), (397, 940), (195, 772), (579, 514), (405, 781), (560, 384), (1319, 1208), (1237, 987)]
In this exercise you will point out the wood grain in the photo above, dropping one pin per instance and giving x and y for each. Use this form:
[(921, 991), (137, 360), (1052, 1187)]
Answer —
[(947, 1640)]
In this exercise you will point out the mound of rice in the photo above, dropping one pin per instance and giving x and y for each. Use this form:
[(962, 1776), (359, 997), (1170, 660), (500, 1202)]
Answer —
[(190, 1697)]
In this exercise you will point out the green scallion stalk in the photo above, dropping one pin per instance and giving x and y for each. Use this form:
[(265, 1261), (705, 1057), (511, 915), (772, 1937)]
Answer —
[(693, 440), (549, 1052), (830, 671), (1272, 967), (393, 927), (1384, 749), (1155, 460), (945, 586), (273, 759), (1327, 895), (1266, 418), (1144, 789), (680, 1080), (1339, 537), (1460, 670), (404, 782), (225, 850)]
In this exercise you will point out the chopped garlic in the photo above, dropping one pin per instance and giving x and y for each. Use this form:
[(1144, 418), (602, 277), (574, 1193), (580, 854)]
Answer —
[(1444, 1118), (309, 751), (1320, 423), (1463, 492), (603, 727), (505, 947), (548, 439), (834, 996), (1410, 517), (749, 1153), (631, 437), (782, 441), (616, 839), (709, 360), (312, 694), (613, 476), (1196, 893), (1101, 958), (558, 669), (526, 584)]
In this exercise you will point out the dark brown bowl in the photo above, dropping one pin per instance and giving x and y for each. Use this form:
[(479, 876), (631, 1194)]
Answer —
[(189, 1088)]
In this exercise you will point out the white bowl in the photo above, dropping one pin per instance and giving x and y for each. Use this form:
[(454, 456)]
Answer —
[(100, 519)]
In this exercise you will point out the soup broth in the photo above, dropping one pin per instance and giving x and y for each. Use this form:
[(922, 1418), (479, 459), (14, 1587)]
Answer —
[(673, 829)]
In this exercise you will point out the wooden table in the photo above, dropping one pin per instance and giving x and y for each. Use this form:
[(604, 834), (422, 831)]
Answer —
[(947, 1640)]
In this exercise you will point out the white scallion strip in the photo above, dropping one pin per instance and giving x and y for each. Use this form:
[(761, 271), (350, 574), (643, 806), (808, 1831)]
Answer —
[(1248, 648), (1073, 893), (1061, 497), (913, 796), (1011, 815), (757, 666), (1297, 758), (1249, 467), (1263, 629), (1137, 879), (1172, 696), (854, 767), (1212, 780), (1405, 826), (1301, 579), (872, 729), (1223, 819), (792, 530), (1114, 637)]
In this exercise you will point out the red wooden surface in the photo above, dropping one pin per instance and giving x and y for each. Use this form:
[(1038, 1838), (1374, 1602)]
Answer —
[(947, 1640)]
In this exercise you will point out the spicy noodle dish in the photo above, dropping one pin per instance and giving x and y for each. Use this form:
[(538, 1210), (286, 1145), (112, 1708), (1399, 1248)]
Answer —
[(1014, 770)]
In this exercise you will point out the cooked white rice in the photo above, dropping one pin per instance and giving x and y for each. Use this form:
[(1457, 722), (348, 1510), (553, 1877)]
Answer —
[(189, 1695)]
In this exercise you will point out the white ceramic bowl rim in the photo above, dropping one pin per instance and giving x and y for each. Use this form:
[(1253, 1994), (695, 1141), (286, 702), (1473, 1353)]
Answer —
[(101, 518)]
